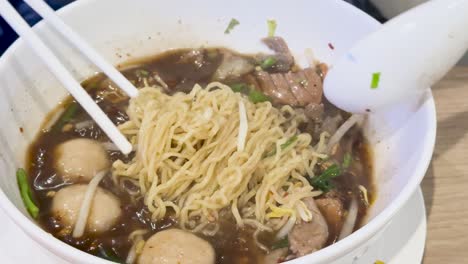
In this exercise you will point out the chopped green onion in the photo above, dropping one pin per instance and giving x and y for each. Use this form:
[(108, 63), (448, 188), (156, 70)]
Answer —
[(257, 97), (282, 243), (25, 192), (240, 88), (346, 160), (375, 80), (66, 117), (283, 146), (323, 181), (234, 22), (271, 27), (140, 73), (268, 62)]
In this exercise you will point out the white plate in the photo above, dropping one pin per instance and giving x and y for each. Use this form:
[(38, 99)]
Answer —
[(402, 242)]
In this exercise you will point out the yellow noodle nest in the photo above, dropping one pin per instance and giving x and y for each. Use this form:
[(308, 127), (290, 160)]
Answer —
[(187, 158)]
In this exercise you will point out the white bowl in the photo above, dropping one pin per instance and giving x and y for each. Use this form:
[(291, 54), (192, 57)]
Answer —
[(123, 30)]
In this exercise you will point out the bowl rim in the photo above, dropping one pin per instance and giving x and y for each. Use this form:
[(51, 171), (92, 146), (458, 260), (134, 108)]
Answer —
[(338, 249)]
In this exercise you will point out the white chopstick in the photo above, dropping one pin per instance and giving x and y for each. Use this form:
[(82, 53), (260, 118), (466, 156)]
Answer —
[(81, 96), (51, 18)]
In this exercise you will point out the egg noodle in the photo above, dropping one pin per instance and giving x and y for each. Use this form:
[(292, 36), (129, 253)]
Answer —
[(192, 160)]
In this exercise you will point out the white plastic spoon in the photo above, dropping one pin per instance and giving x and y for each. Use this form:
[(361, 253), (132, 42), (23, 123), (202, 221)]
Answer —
[(400, 60)]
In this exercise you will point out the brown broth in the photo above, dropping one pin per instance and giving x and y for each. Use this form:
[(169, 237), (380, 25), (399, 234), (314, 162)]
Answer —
[(232, 244)]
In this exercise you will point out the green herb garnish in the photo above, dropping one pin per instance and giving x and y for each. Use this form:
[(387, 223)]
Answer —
[(283, 146), (25, 192), (66, 117), (268, 63), (140, 73), (347, 159), (234, 22), (323, 181), (240, 88), (282, 243), (375, 80), (257, 96), (271, 27)]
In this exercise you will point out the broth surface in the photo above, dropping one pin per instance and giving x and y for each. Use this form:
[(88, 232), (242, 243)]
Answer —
[(232, 244)]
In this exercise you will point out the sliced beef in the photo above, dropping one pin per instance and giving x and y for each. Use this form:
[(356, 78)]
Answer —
[(313, 85), (296, 82), (280, 82), (280, 94), (308, 237), (283, 58), (277, 44), (305, 89), (251, 79), (333, 211), (294, 88), (284, 85)]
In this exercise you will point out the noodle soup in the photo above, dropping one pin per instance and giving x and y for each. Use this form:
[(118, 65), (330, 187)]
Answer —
[(237, 159)]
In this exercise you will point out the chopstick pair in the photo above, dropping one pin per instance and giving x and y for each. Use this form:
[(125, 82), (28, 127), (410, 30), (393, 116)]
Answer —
[(14, 19)]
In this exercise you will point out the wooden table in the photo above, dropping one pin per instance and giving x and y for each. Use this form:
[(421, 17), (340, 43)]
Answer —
[(445, 186)]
